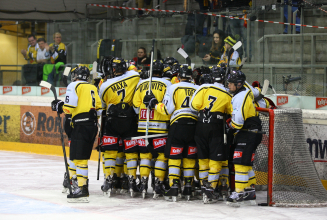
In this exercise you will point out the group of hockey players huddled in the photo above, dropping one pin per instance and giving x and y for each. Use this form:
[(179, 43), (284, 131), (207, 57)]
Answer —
[(196, 127)]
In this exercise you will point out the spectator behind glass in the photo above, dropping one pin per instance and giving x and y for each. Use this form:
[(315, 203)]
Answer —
[(43, 55), (141, 58), (58, 51), (31, 52), (217, 48)]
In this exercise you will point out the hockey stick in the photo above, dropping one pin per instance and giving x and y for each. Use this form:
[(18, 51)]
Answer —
[(99, 144), (185, 55), (53, 89), (149, 92), (94, 70), (265, 87), (242, 63), (66, 73)]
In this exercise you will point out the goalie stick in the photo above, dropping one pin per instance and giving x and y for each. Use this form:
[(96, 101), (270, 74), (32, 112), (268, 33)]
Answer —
[(265, 87), (53, 89), (185, 55)]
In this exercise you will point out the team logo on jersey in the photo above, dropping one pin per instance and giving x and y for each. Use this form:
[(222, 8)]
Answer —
[(237, 154), (123, 106), (192, 150), (6, 89), (282, 100), (62, 91), (175, 150), (141, 142), (130, 144), (109, 140), (26, 89), (28, 123), (44, 90), (143, 114), (321, 102), (159, 142)]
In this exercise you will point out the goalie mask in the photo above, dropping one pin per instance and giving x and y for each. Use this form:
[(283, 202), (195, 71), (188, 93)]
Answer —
[(170, 61), (118, 65), (81, 73), (185, 71)]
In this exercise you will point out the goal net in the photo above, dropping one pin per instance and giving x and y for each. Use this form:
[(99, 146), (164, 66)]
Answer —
[(283, 164)]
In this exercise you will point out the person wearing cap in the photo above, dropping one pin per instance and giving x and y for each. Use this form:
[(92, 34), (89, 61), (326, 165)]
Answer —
[(234, 57)]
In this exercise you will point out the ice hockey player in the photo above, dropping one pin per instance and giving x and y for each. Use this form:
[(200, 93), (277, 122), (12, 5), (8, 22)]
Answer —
[(246, 123), (82, 102), (175, 70), (170, 61), (158, 125), (180, 143), (212, 101), (117, 95)]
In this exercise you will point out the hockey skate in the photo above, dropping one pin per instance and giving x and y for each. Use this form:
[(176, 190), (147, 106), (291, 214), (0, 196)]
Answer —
[(187, 191), (209, 196), (66, 184), (223, 191), (159, 189), (249, 197), (173, 191), (80, 195), (235, 199), (117, 186), (108, 185), (132, 188), (144, 186), (124, 184)]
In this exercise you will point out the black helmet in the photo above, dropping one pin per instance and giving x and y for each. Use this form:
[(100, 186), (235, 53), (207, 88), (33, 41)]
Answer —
[(237, 77), (170, 61), (81, 73), (106, 66), (185, 71), (157, 67), (118, 65), (217, 73), (167, 71), (205, 78), (175, 69)]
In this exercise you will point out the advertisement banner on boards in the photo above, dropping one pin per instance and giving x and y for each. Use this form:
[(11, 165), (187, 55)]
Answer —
[(315, 136), (9, 123), (40, 125)]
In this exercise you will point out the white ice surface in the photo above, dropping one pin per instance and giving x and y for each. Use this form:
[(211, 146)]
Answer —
[(31, 184)]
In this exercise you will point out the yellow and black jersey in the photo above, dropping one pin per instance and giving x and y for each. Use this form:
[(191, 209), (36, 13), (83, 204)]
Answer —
[(212, 97), (158, 122), (59, 54), (31, 53), (242, 107), (81, 97), (234, 59), (119, 89), (174, 80), (177, 102)]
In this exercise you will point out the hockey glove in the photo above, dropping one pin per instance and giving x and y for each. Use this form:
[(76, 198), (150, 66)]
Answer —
[(150, 100), (229, 124), (56, 105)]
